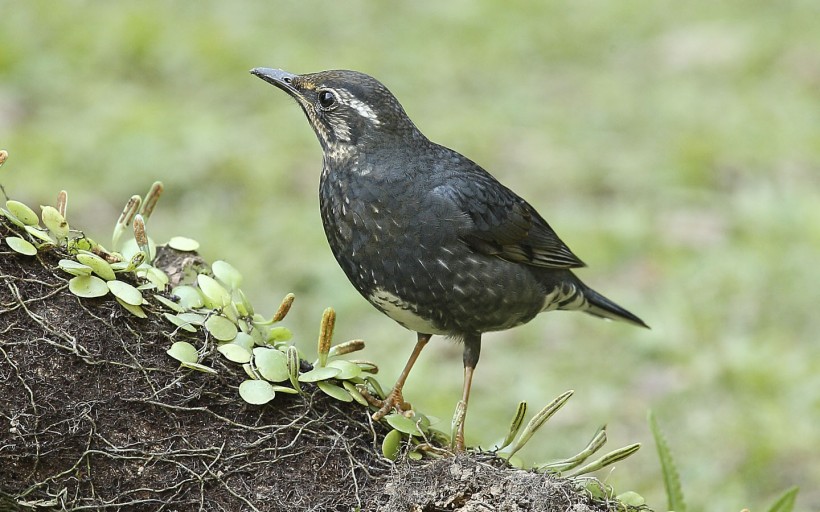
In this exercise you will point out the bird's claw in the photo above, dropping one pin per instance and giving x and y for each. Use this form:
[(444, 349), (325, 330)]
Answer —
[(393, 401)]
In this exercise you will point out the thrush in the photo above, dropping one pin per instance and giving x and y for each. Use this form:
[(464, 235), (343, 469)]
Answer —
[(425, 234)]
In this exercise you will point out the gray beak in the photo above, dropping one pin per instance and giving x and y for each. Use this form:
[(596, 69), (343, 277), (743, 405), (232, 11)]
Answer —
[(279, 78)]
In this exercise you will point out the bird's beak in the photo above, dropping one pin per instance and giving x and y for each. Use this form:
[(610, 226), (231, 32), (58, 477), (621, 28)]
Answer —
[(279, 78)]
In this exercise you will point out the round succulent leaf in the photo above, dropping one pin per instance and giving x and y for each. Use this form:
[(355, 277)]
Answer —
[(189, 297), (631, 499), (285, 389), (133, 309), (157, 277), (22, 212), (272, 364), (74, 268), (250, 371), (184, 244), (234, 353), (100, 267), (125, 292), (221, 328), (279, 333), (192, 318), (229, 310), (199, 367), (214, 292), (246, 304), (319, 373), (245, 340), (39, 234), (403, 424), (334, 391), (348, 370), (256, 392), (258, 337), (182, 324), (391, 444), (168, 303), (14, 220), (183, 352), (355, 393), (226, 273), (21, 246), (54, 221), (87, 286)]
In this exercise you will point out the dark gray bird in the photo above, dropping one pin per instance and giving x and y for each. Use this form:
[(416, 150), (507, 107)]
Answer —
[(424, 233)]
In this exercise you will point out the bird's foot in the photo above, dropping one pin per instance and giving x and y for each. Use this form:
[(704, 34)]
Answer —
[(393, 401)]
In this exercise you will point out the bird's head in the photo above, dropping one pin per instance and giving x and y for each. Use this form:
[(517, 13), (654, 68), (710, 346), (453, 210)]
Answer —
[(345, 108)]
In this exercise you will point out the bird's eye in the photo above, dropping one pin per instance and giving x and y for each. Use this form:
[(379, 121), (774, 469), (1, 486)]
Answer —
[(326, 99)]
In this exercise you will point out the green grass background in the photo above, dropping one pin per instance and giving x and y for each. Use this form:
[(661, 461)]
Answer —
[(674, 146)]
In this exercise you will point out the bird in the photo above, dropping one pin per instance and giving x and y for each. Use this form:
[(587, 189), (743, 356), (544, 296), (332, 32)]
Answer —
[(425, 234)]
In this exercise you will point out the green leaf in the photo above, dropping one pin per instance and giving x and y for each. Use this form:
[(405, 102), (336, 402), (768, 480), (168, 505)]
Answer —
[(125, 292), (55, 222), (215, 294), (786, 502), (131, 308), (244, 340), (14, 220), (22, 212), (87, 286), (192, 318), (319, 373), (234, 353), (391, 444), (199, 367), (189, 297), (97, 264), (539, 419), (256, 392), (181, 243), (179, 322), (279, 334), (515, 425), (608, 459), (168, 303), (271, 363), (293, 366), (226, 273), (671, 479), (631, 499), (39, 234), (595, 444), (221, 328), (334, 391), (74, 268), (403, 424), (21, 246), (354, 392), (348, 370), (183, 352)]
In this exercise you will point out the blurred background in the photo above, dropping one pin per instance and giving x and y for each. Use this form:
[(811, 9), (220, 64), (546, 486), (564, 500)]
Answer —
[(674, 147)]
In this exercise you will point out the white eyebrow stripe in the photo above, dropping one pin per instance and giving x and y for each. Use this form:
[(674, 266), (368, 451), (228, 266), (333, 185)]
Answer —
[(363, 109)]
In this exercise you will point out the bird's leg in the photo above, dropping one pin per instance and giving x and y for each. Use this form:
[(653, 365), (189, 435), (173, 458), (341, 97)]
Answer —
[(472, 350), (394, 399)]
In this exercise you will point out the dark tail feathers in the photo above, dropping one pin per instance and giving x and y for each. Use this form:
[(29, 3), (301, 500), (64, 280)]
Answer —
[(600, 306)]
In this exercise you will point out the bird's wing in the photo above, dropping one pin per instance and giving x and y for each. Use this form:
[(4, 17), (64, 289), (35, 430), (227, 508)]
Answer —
[(503, 224)]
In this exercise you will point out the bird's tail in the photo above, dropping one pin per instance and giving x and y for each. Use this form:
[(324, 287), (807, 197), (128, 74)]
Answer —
[(600, 306)]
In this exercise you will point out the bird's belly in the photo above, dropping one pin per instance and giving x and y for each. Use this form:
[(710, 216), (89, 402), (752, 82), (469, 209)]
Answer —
[(403, 312), (445, 292)]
